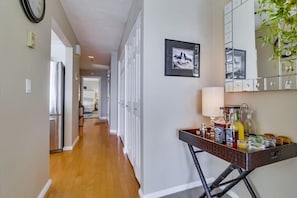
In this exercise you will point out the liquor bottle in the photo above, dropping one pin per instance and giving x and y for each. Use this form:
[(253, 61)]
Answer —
[(239, 126), (232, 132)]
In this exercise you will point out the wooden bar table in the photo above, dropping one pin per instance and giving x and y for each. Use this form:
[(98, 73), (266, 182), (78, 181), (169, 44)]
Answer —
[(242, 160)]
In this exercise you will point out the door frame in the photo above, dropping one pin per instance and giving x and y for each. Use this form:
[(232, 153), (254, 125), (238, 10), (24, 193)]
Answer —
[(98, 90)]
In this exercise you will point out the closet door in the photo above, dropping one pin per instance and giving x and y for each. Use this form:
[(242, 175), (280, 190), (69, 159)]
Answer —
[(132, 97), (121, 98), (128, 100), (137, 99)]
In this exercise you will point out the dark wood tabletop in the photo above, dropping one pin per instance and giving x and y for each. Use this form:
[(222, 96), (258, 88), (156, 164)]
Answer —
[(243, 158)]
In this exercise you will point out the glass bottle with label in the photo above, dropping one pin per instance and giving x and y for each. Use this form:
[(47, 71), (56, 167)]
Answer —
[(232, 133), (239, 127), (249, 124)]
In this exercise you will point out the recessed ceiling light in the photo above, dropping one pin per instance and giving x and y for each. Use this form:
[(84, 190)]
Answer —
[(90, 57)]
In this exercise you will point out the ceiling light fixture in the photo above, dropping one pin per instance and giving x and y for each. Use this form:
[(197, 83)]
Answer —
[(91, 57)]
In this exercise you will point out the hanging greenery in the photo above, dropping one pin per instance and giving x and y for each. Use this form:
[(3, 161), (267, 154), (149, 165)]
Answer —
[(279, 20)]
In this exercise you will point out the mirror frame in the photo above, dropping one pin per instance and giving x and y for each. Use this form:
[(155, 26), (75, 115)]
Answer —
[(273, 75)]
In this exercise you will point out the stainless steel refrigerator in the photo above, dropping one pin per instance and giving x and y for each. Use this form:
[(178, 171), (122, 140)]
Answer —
[(56, 106)]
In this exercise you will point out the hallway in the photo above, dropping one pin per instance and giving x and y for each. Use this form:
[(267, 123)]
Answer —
[(95, 168)]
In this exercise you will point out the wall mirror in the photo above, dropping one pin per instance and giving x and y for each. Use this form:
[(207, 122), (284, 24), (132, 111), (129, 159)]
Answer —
[(247, 64)]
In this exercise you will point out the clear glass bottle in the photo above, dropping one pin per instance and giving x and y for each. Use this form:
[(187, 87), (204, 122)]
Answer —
[(244, 108), (249, 124)]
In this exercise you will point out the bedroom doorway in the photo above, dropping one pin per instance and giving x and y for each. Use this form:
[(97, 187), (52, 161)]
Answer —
[(91, 96)]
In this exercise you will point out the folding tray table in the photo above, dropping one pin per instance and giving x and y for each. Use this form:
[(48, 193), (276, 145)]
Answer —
[(244, 161)]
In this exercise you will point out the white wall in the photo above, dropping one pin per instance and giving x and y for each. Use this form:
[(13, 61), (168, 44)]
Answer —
[(275, 112), (91, 84), (24, 123), (57, 48), (171, 103), (58, 52)]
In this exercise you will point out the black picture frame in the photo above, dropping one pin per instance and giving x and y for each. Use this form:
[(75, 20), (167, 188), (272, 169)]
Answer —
[(235, 64), (182, 58)]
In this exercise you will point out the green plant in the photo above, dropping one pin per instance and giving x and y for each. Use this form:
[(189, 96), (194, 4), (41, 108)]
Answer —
[(279, 21)]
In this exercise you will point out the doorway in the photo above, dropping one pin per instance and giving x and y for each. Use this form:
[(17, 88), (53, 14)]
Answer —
[(91, 95), (56, 95), (70, 60)]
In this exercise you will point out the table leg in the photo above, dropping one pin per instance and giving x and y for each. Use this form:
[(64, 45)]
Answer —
[(196, 162), (221, 177), (247, 184), (242, 176)]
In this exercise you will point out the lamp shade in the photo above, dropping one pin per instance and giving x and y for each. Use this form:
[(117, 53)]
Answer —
[(212, 100)]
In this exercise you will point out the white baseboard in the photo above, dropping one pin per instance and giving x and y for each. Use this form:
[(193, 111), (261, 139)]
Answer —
[(45, 189), (173, 190), (67, 148), (75, 141), (179, 189), (124, 151), (70, 148), (113, 131), (103, 118)]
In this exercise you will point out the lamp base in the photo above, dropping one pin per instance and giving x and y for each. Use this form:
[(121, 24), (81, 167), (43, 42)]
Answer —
[(212, 121)]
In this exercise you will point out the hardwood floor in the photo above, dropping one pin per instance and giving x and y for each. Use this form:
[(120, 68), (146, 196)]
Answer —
[(96, 168)]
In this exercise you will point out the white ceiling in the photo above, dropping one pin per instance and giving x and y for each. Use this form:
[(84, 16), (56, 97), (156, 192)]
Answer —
[(98, 26)]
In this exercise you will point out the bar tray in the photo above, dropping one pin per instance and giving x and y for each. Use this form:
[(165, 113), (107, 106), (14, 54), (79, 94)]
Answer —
[(246, 159)]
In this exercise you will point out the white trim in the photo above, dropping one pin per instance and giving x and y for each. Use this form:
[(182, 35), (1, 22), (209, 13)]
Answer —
[(70, 148), (140, 193), (113, 131), (67, 148), (180, 188), (75, 141), (103, 118), (45, 189), (173, 190), (124, 150)]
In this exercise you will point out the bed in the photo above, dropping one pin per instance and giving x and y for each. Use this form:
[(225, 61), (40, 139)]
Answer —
[(89, 101)]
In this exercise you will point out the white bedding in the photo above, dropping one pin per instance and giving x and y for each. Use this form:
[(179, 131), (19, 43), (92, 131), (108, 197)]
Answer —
[(89, 101)]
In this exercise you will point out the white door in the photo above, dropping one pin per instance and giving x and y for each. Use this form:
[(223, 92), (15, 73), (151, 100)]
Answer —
[(132, 97), (137, 102), (121, 98)]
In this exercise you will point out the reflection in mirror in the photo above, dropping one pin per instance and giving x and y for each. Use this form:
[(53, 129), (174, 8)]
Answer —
[(248, 67), (241, 54)]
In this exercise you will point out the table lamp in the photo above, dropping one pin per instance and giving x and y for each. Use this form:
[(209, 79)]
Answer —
[(212, 100)]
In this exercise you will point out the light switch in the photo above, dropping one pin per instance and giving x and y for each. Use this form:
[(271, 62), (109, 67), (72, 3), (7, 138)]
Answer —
[(28, 86), (31, 39)]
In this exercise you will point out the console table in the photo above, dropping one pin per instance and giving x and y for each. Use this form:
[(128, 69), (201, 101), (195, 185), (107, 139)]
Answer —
[(244, 161)]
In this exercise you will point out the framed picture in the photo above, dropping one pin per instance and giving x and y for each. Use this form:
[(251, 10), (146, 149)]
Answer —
[(235, 63), (182, 58)]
